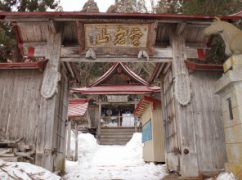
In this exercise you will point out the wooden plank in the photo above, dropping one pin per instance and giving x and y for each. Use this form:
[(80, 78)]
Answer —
[(209, 126)]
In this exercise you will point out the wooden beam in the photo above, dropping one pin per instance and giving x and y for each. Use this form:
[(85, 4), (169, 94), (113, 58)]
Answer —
[(72, 54), (70, 69), (130, 102), (180, 28), (117, 59), (52, 26)]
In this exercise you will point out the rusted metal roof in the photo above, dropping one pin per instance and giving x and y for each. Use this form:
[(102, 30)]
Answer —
[(77, 107), (117, 89), (143, 104), (126, 69)]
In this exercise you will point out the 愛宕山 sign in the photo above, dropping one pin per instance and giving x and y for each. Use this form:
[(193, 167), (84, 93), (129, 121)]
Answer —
[(116, 35)]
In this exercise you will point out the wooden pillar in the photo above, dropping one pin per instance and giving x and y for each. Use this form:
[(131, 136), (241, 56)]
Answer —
[(76, 142), (184, 110), (46, 135), (99, 120), (119, 118), (68, 148)]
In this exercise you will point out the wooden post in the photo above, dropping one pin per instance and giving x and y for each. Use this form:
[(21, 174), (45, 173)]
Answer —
[(119, 118), (99, 121), (45, 148), (68, 149), (184, 117), (76, 143)]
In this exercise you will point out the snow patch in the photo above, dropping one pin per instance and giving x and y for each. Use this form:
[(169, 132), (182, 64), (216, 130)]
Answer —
[(226, 176), (26, 171), (112, 162), (87, 145)]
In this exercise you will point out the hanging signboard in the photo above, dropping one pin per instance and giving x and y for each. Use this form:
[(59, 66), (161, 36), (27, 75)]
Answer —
[(116, 35), (117, 39), (115, 99)]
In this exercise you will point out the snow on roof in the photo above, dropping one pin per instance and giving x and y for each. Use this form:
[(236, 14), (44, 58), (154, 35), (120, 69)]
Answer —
[(26, 171), (77, 107), (126, 69)]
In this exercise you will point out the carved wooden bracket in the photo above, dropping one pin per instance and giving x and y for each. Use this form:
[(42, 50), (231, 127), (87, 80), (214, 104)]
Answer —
[(51, 74)]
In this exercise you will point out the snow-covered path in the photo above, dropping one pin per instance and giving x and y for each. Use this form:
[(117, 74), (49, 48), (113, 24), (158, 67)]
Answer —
[(112, 162)]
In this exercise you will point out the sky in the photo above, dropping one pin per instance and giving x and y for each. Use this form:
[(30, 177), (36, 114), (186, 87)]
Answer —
[(76, 5)]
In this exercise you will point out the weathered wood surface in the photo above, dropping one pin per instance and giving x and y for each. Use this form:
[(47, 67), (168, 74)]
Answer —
[(208, 122), (169, 115), (199, 128), (68, 147), (94, 115), (182, 81), (51, 74), (19, 107)]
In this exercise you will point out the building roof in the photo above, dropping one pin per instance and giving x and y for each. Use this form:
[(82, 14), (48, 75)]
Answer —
[(125, 69), (143, 104), (10, 16), (117, 89), (99, 87), (77, 107), (237, 14)]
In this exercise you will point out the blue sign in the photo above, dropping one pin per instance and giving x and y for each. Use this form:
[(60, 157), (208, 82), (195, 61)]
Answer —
[(147, 131)]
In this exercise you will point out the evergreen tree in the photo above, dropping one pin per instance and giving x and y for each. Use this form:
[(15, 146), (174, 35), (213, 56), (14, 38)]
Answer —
[(28, 5), (131, 6), (168, 6), (8, 48), (211, 7)]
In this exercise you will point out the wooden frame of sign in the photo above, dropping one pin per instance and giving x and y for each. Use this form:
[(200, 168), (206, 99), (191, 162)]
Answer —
[(115, 39)]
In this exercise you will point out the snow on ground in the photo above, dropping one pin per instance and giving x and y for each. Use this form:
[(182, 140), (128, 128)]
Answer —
[(25, 171), (226, 176), (112, 162)]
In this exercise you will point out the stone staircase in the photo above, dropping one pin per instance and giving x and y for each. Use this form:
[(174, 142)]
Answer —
[(115, 135)]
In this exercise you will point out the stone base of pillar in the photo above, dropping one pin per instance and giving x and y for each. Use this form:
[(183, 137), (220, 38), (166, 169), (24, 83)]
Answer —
[(235, 168), (229, 87)]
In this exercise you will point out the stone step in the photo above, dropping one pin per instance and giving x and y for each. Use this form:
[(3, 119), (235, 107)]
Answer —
[(113, 142), (117, 131), (115, 135), (119, 138)]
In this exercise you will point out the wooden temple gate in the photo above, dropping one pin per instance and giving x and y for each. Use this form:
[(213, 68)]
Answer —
[(37, 102)]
